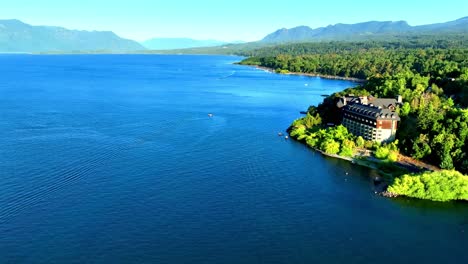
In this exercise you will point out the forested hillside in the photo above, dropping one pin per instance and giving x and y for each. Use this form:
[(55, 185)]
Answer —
[(446, 41), (364, 31), (431, 75)]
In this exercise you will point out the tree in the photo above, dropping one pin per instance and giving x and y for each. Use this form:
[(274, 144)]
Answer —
[(442, 185), (311, 121), (330, 146), (339, 132), (405, 109), (347, 148), (392, 156), (312, 141), (436, 90), (421, 147), (464, 74), (382, 153), (298, 131), (447, 162), (360, 141)]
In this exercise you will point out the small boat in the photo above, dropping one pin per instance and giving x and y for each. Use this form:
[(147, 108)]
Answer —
[(286, 137), (210, 115), (280, 134)]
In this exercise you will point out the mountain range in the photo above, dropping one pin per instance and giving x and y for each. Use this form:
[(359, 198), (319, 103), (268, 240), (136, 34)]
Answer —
[(16, 36), (362, 31)]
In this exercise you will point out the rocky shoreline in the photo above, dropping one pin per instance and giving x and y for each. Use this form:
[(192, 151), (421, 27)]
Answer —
[(389, 194), (372, 163)]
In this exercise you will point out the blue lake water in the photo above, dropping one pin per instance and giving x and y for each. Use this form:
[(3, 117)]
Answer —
[(113, 159)]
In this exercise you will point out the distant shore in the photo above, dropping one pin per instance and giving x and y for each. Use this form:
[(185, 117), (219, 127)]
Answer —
[(331, 77)]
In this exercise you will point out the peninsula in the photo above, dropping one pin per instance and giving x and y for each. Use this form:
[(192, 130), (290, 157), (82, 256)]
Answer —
[(423, 89)]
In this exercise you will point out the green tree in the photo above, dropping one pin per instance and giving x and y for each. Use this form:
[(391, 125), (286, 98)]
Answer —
[(382, 153), (447, 162), (330, 146), (442, 186), (298, 131), (347, 148), (311, 121), (392, 156), (421, 147), (360, 141), (405, 109)]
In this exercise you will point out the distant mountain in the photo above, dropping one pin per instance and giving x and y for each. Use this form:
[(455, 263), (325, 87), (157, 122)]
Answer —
[(16, 36), (456, 26), (361, 31), (181, 43)]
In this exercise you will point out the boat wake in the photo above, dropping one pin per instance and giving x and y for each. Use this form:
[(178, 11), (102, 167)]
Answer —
[(227, 76)]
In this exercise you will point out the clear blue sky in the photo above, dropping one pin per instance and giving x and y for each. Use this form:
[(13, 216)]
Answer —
[(222, 19)]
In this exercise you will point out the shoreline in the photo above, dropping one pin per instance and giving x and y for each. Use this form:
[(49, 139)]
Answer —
[(369, 163), (380, 184), (324, 76), (388, 170)]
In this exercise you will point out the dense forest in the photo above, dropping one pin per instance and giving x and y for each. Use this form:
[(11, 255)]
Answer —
[(448, 41), (431, 75)]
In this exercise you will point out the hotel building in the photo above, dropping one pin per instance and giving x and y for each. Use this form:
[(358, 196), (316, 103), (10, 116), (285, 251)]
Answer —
[(372, 118)]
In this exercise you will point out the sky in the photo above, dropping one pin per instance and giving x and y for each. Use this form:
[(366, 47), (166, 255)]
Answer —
[(226, 20)]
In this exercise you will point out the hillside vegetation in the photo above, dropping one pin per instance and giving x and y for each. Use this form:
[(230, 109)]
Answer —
[(432, 81), (370, 30), (432, 76), (437, 186)]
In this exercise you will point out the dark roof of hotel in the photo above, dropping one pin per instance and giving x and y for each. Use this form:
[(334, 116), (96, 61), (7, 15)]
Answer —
[(382, 102), (379, 102), (372, 112)]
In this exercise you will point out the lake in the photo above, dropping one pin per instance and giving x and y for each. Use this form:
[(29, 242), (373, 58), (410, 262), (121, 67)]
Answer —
[(113, 159)]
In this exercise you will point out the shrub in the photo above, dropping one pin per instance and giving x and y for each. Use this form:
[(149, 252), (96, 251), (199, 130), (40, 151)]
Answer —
[(375, 145), (442, 185), (282, 71), (298, 122), (382, 153), (393, 146), (392, 156), (298, 131)]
